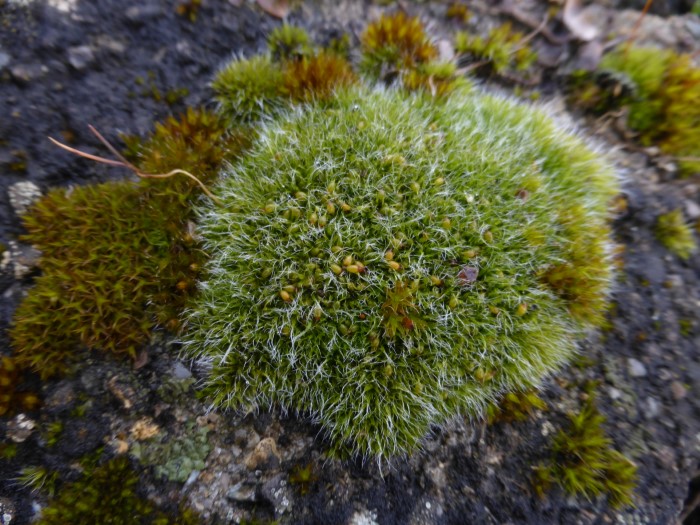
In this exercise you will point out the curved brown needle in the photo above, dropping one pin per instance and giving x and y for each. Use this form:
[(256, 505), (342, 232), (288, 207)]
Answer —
[(123, 163)]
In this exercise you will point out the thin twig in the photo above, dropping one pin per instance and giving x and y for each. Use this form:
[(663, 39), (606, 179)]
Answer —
[(123, 163), (637, 25)]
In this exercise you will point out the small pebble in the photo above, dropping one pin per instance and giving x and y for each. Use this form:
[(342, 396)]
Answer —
[(678, 391), (636, 368)]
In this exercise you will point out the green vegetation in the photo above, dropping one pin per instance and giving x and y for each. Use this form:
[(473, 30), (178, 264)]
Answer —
[(124, 259), (515, 406), (289, 43), (175, 459), (502, 51), (666, 107), (383, 262), (675, 234), (394, 44), (584, 462), (11, 397), (107, 493)]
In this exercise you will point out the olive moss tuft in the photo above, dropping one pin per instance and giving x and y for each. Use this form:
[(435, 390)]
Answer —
[(585, 463), (666, 107), (259, 88), (12, 396), (124, 259), (515, 406), (501, 52), (675, 234), (383, 262), (394, 44), (108, 493), (289, 43)]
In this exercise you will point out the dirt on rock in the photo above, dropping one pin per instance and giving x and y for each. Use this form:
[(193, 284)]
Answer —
[(123, 65)]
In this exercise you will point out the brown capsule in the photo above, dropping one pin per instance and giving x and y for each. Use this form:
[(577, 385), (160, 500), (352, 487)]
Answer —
[(183, 285)]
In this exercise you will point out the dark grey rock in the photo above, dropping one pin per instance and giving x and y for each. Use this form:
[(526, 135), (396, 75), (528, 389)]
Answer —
[(140, 14), (636, 368), (81, 57)]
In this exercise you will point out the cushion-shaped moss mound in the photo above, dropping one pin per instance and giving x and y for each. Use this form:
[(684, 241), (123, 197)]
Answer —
[(384, 261)]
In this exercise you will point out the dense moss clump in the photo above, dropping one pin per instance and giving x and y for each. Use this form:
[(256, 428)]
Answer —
[(124, 259), (383, 261), (108, 493), (666, 107), (585, 463), (254, 89), (502, 51), (675, 234), (12, 397), (394, 44)]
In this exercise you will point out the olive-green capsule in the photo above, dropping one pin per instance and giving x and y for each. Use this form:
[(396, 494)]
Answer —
[(347, 261), (488, 236), (418, 388), (435, 280), (289, 288), (315, 252), (285, 296), (415, 187), (353, 268), (343, 329), (389, 255), (439, 181), (295, 213), (381, 197), (270, 207), (322, 221), (336, 249), (446, 223), (521, 310), (345, 207), (394, 265), (313, 219), (317, 313), (336, 269), (331, 187), (300, 196), (267, 272), (286, 330), (330, 208), (453, 302), (388, 371)]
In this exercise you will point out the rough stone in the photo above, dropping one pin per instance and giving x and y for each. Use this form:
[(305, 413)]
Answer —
[(4, 60), (242, 492), (651, 407), (25, 73), (20, 428), (636, 368), (276, 491), (140, 14), (80, 57), (678, 391), (264, 455)]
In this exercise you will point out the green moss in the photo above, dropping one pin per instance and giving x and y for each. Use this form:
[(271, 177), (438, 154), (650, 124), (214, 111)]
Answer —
[(124, 259), (585, 463), (107, 493), (666, 108), (303, 476), (38, 478), (249, 90), (12, 397), (175, 459), (675, 234), (459, 12), (394, 44), (289, 43), (501, 50), (380, 262), (436, 78), (316, 77), (514, 406)]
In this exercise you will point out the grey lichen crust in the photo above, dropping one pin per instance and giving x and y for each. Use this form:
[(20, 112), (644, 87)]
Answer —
[(385, 261)]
